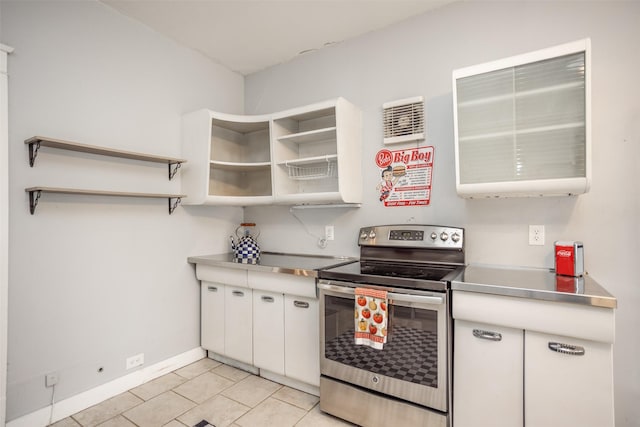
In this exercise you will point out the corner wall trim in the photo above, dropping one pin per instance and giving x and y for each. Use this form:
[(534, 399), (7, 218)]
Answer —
[(79, 402)]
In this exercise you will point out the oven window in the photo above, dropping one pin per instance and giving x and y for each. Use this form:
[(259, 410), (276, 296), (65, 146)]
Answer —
[(411, 351)]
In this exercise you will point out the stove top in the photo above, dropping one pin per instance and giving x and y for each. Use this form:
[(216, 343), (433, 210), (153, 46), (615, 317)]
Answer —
[(398, 275), (411, 256)]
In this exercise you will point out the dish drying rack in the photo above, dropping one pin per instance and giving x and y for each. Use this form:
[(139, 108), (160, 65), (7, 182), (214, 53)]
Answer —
[(319, 169)]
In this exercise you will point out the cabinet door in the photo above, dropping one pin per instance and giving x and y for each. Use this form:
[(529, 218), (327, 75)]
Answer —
[(522, 124), (567, 382), (268, 331), (212, 316), (302, 336), (487, 383), (238, 324)]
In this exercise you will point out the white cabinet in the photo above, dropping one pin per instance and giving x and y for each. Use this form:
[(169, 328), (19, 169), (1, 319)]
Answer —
[(268, 331), (231, 157), (317, 154), (567, 381), (488, 375), (238, 324), (552, 366), (212, 316), (301, 345), (305, 155), (522, 124), (265, 320), (289, 337), (226, 321)]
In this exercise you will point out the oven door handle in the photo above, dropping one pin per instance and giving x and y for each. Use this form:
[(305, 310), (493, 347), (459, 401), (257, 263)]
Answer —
[(425, 299)]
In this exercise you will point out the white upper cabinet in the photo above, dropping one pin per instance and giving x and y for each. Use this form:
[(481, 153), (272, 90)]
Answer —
[(307, 155), (231, 157), (317, 154), (522, 124)]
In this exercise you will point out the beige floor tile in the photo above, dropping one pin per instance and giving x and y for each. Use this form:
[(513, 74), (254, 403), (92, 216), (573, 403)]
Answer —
[(234, 374), (175, 423), (251, 390), (298, 398), (219, 411), (203, 387), (317, 418), (159, 410), (118, 421), (108, 409), (66, 422), (272, 412), (158, 386), (197, 368)]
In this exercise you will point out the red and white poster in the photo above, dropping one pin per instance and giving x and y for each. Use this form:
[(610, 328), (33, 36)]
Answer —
[(405, 176)]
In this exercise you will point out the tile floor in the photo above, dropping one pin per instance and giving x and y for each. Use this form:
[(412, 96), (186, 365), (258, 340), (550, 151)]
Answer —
[(206, 390)]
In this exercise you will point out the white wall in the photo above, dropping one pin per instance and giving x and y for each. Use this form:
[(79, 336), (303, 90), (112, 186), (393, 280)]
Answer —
[(417, 58), (94, 280)]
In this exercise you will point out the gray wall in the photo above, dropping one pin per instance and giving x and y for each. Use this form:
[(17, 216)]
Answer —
[(94, 280), (416, 58)]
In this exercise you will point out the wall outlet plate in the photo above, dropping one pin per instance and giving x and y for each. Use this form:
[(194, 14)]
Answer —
[(536, 235), (329, 232), (134, 361), (51, 379)]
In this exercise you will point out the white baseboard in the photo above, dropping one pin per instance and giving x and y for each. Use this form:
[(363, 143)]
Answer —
[(79, 402)]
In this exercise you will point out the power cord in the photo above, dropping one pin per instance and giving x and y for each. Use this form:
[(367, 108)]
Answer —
[(321, 241), (53, 401)]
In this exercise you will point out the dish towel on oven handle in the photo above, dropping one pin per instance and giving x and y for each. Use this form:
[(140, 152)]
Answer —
[(371, 317)]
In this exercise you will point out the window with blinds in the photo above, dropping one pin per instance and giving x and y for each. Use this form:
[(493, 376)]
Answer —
[(524, 123)]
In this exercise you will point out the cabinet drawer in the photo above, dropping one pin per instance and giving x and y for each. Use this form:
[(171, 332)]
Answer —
[(580, 321), (289, 284), (228, 276)]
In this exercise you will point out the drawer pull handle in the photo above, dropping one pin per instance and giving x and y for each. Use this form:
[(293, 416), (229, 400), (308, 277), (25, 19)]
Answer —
[(301, 304), (266, 298), (238, 293), (574, 350), (487, 335), (212, 289)]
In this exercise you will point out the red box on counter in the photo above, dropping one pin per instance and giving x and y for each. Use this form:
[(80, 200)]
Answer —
[(569, 258)]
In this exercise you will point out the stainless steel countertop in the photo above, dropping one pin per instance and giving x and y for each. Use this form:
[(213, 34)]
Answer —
[(533, 283), (274, 262)]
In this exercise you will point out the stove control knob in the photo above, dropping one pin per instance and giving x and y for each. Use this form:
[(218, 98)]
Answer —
[(433, 236), (372, 234), (444, 236), (455, 237), (363, 235)]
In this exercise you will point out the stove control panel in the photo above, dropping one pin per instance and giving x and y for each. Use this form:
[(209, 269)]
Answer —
[(412, 235)]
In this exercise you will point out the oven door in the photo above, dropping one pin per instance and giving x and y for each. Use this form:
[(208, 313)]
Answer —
[(412, 365)]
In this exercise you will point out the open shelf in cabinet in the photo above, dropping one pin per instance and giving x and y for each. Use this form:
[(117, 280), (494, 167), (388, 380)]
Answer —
[(310, 154), (240, 180), (240, 164)]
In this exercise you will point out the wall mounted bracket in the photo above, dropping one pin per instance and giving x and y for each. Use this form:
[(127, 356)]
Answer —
[(36, 192)]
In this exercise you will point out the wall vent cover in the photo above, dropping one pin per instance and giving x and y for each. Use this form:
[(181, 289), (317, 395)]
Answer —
[(404, 120)]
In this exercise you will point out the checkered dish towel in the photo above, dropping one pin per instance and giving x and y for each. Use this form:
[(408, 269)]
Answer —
[(371, 317)]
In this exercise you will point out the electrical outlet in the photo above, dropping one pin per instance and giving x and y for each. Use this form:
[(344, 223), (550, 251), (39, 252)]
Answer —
[(328, 232), (134, 361), (536, 235), (51, 379)]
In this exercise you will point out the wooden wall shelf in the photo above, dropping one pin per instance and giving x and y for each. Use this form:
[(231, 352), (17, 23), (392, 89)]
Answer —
[(36, 192), (36, 142)]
